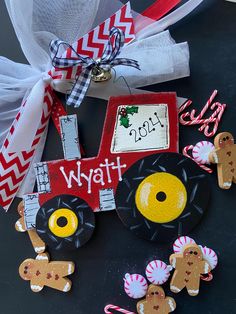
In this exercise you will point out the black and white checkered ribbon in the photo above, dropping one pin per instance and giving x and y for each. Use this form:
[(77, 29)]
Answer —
[(107, 61)]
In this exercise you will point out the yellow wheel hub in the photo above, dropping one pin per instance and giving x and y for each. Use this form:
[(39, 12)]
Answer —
[(161, 197), (63, 223)]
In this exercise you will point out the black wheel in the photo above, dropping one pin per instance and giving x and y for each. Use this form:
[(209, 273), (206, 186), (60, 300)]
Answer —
[(65, 222), (162, 196)]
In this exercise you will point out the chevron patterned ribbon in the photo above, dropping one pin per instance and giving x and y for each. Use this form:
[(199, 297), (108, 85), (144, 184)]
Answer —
[(88, 65)]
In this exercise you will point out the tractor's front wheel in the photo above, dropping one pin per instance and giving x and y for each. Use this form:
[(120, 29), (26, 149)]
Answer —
[(65, 222)]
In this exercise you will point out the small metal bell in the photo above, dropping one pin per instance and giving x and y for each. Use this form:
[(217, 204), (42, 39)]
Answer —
[(100, 75)]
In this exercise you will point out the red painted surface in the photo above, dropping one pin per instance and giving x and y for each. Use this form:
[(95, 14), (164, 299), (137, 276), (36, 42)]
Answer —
[(87, 168)]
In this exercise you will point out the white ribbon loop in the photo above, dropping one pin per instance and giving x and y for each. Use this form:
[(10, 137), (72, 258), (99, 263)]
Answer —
[(29, 121)]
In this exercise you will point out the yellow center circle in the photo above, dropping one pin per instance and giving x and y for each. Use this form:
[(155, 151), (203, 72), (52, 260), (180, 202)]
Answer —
[(161, 197), (67, 229)]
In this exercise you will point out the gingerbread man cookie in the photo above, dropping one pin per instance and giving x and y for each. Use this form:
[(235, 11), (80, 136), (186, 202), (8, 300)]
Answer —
[(224, 156), (156, 302), (189, 266), (38, 245), (42, 273)]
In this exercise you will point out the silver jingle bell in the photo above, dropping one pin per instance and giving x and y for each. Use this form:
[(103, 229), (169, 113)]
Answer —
[(101, 75)]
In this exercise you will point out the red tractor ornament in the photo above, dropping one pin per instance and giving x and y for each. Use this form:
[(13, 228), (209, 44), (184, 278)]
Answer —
[(157, 193)]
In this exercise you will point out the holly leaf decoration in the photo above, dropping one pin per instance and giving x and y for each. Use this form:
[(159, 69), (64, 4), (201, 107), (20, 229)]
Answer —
[(124, 121), (124, 115), (131, 110)]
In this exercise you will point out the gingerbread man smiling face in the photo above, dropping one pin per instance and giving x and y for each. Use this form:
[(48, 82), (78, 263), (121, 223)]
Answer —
[(192, 253), (156, 302), (224, 156)]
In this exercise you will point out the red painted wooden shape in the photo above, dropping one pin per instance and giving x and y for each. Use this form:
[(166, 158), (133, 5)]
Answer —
[(85, 174)]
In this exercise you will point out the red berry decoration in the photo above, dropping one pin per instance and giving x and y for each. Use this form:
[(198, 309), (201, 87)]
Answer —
[(123, 112)]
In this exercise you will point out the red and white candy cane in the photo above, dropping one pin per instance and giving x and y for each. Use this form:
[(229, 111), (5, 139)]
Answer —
[(205, 127), (116, 308), (205, 108), (205, 122), (185, 153), (213, 117), (185, 106), (194, 120)]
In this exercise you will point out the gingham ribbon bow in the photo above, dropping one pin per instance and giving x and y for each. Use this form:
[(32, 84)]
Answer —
[(107, 61)]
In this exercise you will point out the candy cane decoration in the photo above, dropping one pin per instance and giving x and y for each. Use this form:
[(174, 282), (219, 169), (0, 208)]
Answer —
[(202, 121), (215, 128), (185, 106), (207, 277), (117, 309), (205, 108), (213, 117), (194, 120), (185, 153)]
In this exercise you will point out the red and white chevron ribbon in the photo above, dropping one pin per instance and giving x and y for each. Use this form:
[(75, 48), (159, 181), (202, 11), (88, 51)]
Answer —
[(14, 166), (93, 44)]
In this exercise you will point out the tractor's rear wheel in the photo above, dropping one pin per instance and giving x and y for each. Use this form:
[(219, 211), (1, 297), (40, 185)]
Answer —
[(162, 196), (65, 222)]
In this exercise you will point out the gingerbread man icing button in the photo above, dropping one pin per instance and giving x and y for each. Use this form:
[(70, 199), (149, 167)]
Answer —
[(224, 156), (40, 272), (189, 266), (156, 302)]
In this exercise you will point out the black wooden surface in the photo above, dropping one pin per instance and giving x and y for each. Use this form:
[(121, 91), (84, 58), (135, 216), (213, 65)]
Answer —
[(113, 250)]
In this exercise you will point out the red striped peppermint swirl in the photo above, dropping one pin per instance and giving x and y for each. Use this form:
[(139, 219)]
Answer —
[(157, 272), (209, 256), (181, 242), (135, 286), (201, 152)]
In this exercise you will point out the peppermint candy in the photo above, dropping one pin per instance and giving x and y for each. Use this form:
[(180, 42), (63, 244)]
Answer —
[(181, 242), (201, 152), (135, 286), (157, 272), (209, 256)]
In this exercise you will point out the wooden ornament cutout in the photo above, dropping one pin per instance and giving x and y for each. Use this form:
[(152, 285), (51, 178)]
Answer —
[(156, 302), (38, 244), (41, 272), (189, 266), (224, 156), (153, 117)]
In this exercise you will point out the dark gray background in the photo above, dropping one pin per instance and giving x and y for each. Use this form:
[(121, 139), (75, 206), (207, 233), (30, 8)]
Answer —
[(113, 250)]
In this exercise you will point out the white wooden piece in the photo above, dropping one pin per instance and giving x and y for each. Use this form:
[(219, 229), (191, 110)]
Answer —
[(107, 200), (31, 208), (148, 130), (70, 138), (43, 180)]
